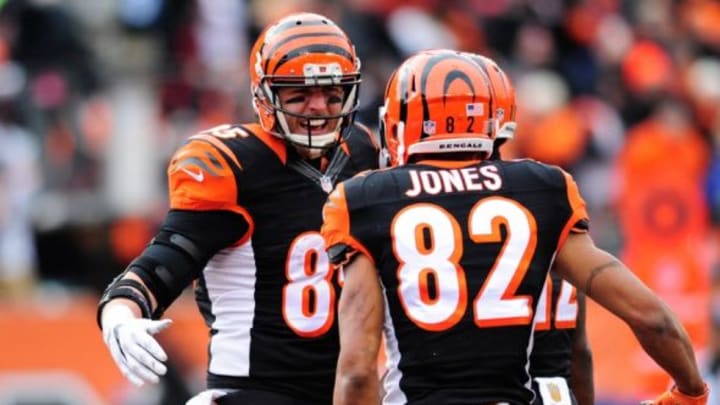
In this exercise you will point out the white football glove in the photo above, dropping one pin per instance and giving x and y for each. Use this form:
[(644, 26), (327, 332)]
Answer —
[(134, 349)]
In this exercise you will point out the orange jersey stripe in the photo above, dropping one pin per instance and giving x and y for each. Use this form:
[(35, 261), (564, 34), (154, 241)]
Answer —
[(449, 164), (336, 226), (276, 144), (577, 204), (218, 144), (199, 178)]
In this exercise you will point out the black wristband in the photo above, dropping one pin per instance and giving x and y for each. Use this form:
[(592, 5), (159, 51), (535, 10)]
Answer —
[(128, 282), (127, 292)]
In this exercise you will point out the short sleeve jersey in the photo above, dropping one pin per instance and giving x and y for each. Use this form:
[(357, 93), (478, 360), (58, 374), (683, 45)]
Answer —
[(268, 297), (463, 252)]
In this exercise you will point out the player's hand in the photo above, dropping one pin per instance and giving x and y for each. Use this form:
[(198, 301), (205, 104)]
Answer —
[(134, 349), (675, 397)]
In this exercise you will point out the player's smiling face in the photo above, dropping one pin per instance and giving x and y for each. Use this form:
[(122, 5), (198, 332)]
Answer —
[(314, 102)]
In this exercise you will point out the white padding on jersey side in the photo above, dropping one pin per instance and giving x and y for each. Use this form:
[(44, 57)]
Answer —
[(391, 380), (230, 280), (554, 391)]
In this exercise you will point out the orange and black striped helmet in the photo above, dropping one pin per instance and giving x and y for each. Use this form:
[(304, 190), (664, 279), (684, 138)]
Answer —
[(303, 49), (436, 101), (504, 106)]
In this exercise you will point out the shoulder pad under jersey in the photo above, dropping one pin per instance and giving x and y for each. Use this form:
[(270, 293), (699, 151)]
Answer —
[(201, 174)]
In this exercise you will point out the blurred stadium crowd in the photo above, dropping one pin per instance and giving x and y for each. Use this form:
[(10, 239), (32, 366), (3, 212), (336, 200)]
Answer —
[(95, 95)]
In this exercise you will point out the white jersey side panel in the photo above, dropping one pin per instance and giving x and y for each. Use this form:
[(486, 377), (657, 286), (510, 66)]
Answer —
[(391, 380), (230, 280)]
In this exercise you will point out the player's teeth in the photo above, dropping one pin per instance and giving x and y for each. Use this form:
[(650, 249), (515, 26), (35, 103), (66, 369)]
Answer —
[(317, 123)]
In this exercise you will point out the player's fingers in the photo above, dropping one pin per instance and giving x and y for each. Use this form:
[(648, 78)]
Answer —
[(140, 361), (130, 376), (116, 352), (151, 346), (154, 327), (121, 361), (135, 360)]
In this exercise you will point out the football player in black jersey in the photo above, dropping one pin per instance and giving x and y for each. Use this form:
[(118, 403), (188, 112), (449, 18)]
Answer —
[(244, 222), (561, 359), (448, 251)]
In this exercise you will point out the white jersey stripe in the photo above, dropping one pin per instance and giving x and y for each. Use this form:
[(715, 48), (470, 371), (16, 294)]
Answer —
[(230, 280), (391, 381)]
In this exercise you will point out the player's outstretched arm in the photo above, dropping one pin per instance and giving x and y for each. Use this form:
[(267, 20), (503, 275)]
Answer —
[(610, 283), (360, 317), (129, 337)]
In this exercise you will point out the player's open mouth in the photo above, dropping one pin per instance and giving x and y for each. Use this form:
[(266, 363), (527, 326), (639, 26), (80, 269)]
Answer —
[(315, 126)]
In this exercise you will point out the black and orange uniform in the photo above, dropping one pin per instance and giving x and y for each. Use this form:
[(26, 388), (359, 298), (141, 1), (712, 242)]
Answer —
[(555, 327), (462, 262), (554, 330), (267, 291)]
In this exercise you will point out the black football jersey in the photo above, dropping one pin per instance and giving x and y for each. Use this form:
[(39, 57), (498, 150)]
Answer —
[(463, 252), (556, 319), (268, 297)]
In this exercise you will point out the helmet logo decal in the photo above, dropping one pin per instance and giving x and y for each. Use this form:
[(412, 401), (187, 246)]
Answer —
[(322, 74), (429, 127)]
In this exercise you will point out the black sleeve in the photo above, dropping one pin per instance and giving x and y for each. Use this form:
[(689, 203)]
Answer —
[(211, 231)]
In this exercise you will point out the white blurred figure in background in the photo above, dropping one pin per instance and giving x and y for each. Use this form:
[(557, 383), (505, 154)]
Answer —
[(20, 179)]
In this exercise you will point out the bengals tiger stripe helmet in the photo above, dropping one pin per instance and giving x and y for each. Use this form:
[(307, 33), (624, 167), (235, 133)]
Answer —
[(503, 98), (436, 101), (303, 49)]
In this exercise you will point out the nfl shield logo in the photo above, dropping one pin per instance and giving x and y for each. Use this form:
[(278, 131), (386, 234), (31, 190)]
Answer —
[(429, 127), (326, 184)]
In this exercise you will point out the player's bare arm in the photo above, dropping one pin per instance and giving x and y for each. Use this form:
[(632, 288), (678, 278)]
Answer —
[(607, 281), (597, 271), (360, 320)]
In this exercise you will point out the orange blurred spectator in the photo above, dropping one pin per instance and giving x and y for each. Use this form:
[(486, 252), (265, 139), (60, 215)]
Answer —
[(703, 20), (647, 67), (558, 138), (664, 217)]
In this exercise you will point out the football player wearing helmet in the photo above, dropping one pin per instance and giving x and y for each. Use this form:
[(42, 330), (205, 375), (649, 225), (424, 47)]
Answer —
[(448, 251), (503, 103), (561, 359), (244, 223)]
